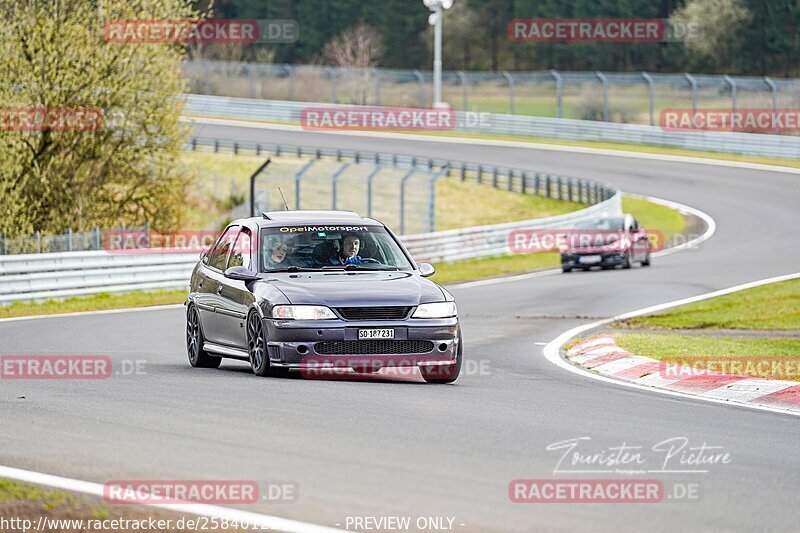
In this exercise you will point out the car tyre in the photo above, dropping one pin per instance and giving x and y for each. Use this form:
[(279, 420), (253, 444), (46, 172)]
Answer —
[(566, 269), (445, 374), (198, 357), (627, 263), (257, 349), (646, 262)]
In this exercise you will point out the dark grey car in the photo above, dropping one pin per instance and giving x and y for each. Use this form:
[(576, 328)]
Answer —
[(309, 290)]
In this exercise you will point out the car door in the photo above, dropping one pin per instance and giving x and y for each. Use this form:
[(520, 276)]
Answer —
[(212, 284), (235, 297)]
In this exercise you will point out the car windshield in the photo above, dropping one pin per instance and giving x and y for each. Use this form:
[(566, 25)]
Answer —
[(323, 247), (610, 223)]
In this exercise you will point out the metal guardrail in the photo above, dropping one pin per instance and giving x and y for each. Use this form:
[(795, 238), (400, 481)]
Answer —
[(756, 144), (60, 275)]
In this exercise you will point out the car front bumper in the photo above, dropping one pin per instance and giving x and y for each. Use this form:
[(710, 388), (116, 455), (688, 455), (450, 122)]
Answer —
[(607, 259), (310, 344)]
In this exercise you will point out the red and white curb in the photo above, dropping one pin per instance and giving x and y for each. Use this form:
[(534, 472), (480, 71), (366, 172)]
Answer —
[(603, 356)]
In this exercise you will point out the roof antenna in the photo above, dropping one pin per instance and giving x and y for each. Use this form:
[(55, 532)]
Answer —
[(284, 199)]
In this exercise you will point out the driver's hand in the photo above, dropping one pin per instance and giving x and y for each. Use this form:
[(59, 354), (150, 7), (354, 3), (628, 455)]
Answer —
[(355, 260)]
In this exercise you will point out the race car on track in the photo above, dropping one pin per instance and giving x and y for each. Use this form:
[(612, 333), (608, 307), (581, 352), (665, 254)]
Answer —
[(295, 290), (606, 242)]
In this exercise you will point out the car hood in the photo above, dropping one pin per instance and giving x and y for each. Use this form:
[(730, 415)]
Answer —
[(357, 288)]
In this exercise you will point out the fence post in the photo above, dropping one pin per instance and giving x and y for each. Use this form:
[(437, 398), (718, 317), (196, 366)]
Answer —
[(463, 171), (510, 179), (432, 196), (652, 94), (68, 235), (332, 76), (524, 183), (3, 243), (559, 92), (732, 83), (774, 89), (464, 97), (335, 180), (253, 186), (560, 183), (510, 79), (421, 80), (494, 177), (376, 74), (251, 88), (548, 184), (570, 184), (369, 189), (97, 238), (693, 85), (207, 85), (292, 86), (604, 80), (297, 182), (537, 185), (403, 200)]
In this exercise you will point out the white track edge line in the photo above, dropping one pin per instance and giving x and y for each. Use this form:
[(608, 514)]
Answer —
[(512, 144), (232, 514), (552, 351)]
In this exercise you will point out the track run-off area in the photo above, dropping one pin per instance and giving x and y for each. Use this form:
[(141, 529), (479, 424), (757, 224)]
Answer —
[(399, 448)]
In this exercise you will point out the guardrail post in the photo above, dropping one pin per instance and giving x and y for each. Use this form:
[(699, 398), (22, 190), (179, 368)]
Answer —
[(251, 87), (235, 147), (494, 177), (369, 189), (559, 92), (207, 77), (194, 144), (297, 182), (732, 83), (510, 179), (464, 97), (480, 173), (334, 182), (548, 185), (463, 171), (510, 79), (524, 183), (604, 80), (403, 200), (39, 241), (216, 145), (97, 243), (570, 184), (651, 92), (68, 236), (560, 188), (3, 243), (693, 85), (417, 74)]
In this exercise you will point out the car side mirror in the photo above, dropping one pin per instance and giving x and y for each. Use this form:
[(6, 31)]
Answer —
[(240, 273), (426, 270)]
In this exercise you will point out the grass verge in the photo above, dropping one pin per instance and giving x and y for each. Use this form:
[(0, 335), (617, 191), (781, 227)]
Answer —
[(97, 302), (766, 358), (770, 307), (492, 267)]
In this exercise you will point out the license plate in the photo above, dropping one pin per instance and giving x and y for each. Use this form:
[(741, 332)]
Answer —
[(376, 334), (589, 259)]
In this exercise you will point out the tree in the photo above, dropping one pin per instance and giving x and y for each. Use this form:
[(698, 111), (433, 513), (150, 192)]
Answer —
[(357, 47), (55, 56), (722, 21)]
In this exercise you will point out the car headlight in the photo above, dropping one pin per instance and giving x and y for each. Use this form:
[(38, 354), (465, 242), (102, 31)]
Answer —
[(436, 310), (302, 312)]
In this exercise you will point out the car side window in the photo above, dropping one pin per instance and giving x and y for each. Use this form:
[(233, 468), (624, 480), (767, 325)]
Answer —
[(240, 256), (634, 225), (219, 254)]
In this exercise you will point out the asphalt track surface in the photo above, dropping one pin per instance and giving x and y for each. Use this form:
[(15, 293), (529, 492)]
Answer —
[(402, 448)]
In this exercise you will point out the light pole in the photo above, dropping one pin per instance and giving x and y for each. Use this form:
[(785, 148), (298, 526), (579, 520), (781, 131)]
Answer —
[(435, 20)]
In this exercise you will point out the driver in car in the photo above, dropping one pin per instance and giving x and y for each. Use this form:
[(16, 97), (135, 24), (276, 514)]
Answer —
[(348, 252)]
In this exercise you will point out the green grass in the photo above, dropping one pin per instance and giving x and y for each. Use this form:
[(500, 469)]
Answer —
[(655, 217), (458, 204), (491, 267), (98, 302), (770, 307), (50, 499), (720, 353)]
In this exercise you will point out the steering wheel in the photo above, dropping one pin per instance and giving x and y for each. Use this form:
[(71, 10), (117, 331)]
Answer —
[(370, 260)]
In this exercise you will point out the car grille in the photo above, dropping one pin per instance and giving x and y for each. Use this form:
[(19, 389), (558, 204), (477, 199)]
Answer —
[(375, 347), (373, 313)]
